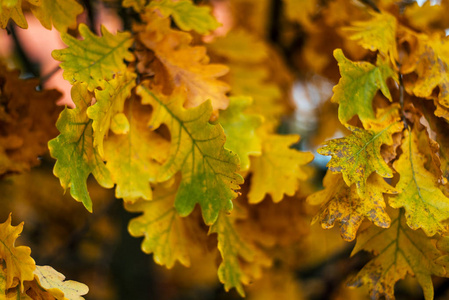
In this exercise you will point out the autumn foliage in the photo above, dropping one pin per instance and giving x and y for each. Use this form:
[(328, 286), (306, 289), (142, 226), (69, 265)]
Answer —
[(187, 114)]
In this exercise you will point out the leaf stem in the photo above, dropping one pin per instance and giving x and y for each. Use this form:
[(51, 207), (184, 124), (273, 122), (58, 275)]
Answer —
[(401, 100)]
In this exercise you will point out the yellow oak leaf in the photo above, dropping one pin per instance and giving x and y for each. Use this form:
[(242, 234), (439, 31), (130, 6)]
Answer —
[(429, 60), (282, 163), (241, 130), (187, 15), (358, 85), (135, 158), (59, 13), (19, 264), (399, 251), (378, 33), (166, 234), (419, 189), (342, 203), (184, 66), (54, 283), (236, 248), (427, 17), (13, 10), (209, 171), (358, 155), (110, 102), (74, 149), (94, 59)]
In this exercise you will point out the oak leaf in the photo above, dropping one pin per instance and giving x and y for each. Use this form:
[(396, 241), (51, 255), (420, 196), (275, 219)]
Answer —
[(358, 155), (55, 284), (241, 130), (358, 85), (59, 13), (343, 204), (74, 149), (378, 33), (13, 10), (282, 163), (235, 249), (419, 189), (94, 59), (110, 102), (208, 170), (187, 15), (19, 264), (182, 65), (399, 251), (166, 234), (429, 60), (134, 158)]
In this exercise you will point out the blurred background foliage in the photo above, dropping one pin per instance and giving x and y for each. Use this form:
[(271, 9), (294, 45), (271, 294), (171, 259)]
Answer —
[(299, 72)]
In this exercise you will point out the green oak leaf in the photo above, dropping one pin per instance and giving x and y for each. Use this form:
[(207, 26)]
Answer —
[(187, 15), (208, 170), (235, 247), (166, 234), (240, 129), (358, 85), (74, 149), (94, 60)]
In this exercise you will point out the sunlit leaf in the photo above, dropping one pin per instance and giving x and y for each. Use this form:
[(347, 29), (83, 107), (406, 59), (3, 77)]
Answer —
[(54, 283), (94, 59)]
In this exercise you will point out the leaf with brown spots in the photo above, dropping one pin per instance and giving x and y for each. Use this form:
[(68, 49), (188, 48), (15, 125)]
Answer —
[(342, 203), (399, 251), (358, 155)]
